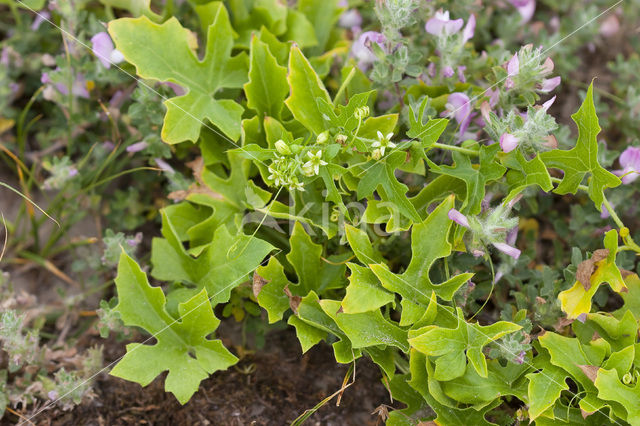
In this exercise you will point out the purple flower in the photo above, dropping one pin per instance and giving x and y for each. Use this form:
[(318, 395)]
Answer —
[(513, 65), (4, 56), (610, 26), (440, 25), (53, 395), (164, 165), (469, 29), (351, 19), (461, 77), (508, 142), (547, 105), (507, 249), (103, 48), (39, 19), (362, 51), (526, 8), (78, 88), (447, 72), (137, 147), (630, 162), (458, 218), (548, 84), (459, 107), (520, 358)]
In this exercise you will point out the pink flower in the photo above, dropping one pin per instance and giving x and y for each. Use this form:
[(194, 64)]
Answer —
[(469, 29), (39, 19), (447, 72), (461, 70), (526, 8), (630, 162), (164, 166), (458, 218), (459, 107), (507, 249), (351, 19), (440, 25), (548, 84), (547, 105), (103, 48), (508, 142), (78, 88), (361, 48), (137, 147), (513, 65), (610, 26)]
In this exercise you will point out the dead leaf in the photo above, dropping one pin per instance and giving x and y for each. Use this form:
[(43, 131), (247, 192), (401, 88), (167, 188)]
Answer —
[(258, 283), (586, 267), (591, 371), (382, 411), (294, 301)]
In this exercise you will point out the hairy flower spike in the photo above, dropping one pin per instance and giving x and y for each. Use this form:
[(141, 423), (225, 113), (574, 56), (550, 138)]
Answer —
[(490, 229)]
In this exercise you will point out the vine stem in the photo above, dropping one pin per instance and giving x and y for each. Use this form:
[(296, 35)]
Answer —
[(623, 230), (344, 85), (456, 148)]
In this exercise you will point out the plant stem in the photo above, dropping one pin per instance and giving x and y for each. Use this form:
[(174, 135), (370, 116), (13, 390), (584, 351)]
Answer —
[(344, 85), (456, 148)]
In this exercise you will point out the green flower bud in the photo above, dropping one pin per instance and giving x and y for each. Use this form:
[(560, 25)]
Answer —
[(361, 113), (283, 148), (341, 139), (322, 137)]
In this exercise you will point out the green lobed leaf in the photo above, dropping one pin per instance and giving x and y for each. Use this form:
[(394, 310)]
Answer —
[(269, 283), (367, 328), (313, 272), (523, 174), (429, 242), (450, 344), (364, 292), (182, 346), (611, 388), (267, 87), (165, 53), (474, 177), (222, 265), (306, 87), (583, 158)]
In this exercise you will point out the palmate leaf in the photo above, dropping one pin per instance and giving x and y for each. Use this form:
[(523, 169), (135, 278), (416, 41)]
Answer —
[(611, 388), (475, 177), (314, 274), (583, 158), (267, 87), (182, 346), (570, 354), (577, 299), (380, 175), (165, 53), (221, 265), (446, 415), (429, 242), (306, 87), (545, 386), (523, 174), (450, 345)]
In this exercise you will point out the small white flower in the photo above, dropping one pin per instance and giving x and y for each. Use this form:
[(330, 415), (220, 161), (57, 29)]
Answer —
[(383, 143), (312, 167), (296, 186)]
